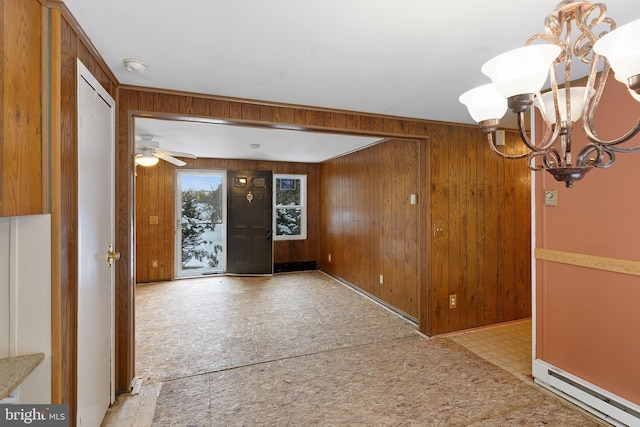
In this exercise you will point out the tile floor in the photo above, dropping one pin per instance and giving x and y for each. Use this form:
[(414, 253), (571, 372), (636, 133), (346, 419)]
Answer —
[(507, 345)]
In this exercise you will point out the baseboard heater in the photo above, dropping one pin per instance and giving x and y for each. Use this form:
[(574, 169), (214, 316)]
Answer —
[(284, 267), (602, 403)]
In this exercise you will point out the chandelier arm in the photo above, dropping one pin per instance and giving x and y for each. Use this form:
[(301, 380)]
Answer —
[(550, 135), (554, 94), (591, 102), (523, 133), (594, 138), (549, 159), (501, 154), (599, 161), (531, 161), (622, 149), (591, 106), (612, 159), (552, 159), (587, 38), (584, 160)]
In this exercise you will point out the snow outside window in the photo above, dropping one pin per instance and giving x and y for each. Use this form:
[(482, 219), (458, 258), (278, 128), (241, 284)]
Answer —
[(289, 207)]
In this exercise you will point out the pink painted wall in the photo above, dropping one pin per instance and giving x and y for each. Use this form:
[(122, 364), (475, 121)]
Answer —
[(588, 321)]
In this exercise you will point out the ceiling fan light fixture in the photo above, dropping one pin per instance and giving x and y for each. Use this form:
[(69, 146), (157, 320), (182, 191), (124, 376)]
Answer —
[(146, 160), (134, 65)]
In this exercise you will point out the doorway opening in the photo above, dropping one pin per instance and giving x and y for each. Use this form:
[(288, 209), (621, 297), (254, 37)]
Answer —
[(201, 222)]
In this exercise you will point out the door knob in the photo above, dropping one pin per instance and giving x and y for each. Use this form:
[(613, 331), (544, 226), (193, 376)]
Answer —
[(111, 255)]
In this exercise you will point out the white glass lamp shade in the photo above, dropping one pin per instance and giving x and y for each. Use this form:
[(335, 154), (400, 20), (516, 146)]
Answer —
[(484, 103), (577, 102), (622, 48), (146, 160), (523, 70)]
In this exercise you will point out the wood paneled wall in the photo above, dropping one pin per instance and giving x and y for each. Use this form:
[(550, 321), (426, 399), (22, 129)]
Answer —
[(484, 202), (468, 236), (21, 148), (67, 44), (155, 195), (466, 189), (480, 232), (368, 225), (141, 102)]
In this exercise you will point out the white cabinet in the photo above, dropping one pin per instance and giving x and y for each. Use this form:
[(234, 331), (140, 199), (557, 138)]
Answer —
[(25, 299)]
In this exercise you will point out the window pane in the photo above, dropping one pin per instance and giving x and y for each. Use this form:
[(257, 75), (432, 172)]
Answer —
[(288, 221), (288, 192), (289, 210)]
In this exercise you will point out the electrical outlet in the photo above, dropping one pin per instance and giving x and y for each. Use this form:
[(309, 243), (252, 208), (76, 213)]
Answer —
[(154, 263), (453, 301), (381, 279), (329, 257)]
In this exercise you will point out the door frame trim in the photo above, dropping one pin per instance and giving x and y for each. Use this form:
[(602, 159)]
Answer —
[(137, 101)]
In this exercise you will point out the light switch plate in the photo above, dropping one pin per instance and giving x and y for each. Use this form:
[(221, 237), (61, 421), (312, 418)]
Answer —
[(551, 197)]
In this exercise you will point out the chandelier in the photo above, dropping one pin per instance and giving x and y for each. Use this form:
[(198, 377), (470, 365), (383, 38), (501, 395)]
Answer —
[(519, 75)]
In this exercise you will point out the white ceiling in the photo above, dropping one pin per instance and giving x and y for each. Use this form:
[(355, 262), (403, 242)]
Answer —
[(410, 58), (234, 142)]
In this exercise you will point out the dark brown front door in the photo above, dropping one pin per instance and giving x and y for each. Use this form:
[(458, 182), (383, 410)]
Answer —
[(249, 216)]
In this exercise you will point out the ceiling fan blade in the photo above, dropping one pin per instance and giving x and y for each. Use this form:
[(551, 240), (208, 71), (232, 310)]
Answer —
[(169, 158), (177, 154)]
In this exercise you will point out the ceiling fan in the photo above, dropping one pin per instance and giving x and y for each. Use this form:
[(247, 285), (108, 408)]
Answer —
[(148, 153)]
